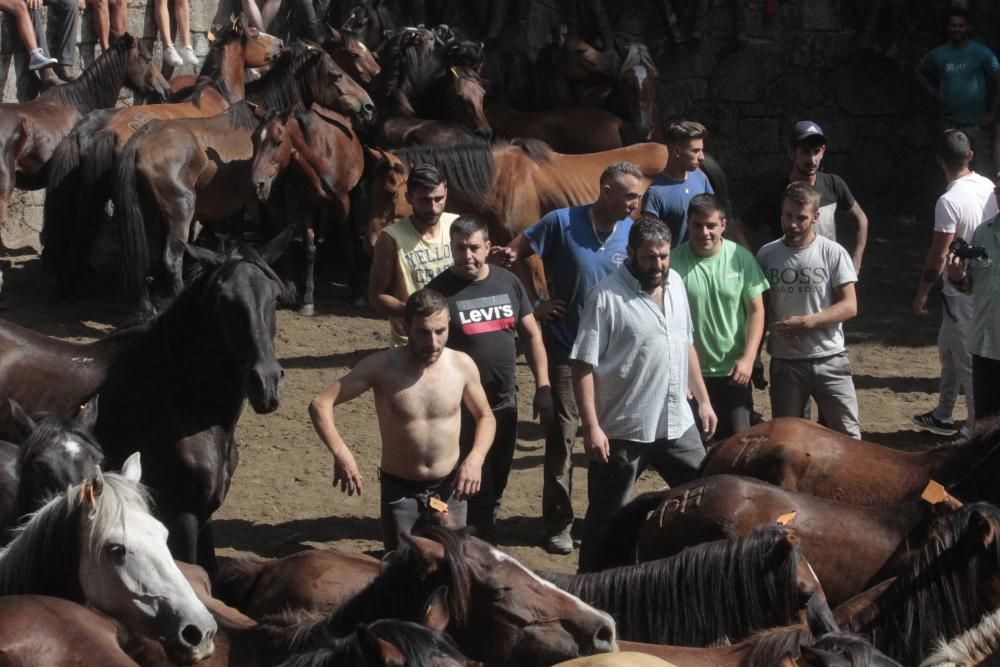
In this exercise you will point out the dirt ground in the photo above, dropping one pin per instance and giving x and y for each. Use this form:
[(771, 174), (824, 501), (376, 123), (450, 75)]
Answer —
[(281, 500)]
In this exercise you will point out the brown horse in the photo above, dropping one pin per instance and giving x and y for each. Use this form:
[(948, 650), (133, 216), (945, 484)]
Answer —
[(849, 546), (559, 128), (326, 160), (311, 580), (176, 171), (31, 131), (802, 456), (350, 52)]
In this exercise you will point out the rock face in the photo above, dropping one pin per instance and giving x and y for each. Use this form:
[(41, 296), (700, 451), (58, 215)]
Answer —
[(748, 78)]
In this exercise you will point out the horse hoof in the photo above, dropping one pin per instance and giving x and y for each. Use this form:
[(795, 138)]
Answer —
[(307, 310)]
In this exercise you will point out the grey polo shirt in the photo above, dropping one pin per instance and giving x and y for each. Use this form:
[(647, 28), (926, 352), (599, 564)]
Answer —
[(984, 336), (640, 357)]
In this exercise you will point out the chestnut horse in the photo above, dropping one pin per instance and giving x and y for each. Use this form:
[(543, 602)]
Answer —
[(31, 131), (326, 160), (849, 546), (801, 455), (82, 166), (176, 171), (350, 52), (559, 128), (174, 388)]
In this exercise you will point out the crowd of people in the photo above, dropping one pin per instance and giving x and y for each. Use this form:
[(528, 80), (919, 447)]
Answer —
[(656, 311)]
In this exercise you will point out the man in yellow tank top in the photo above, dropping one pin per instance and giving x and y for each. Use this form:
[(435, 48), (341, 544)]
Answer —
[(412, 251)]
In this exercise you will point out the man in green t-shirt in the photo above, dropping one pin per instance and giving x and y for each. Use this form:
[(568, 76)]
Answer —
[(725, 287)]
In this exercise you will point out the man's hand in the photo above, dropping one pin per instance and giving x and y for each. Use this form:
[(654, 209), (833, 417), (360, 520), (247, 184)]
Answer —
[(501, 256), (469, 478), (542, 408), (956, 268), (742, 371), (596, 444), (345, 471), (34, 4), (920, 303), (793, 327), (706, 415), (551, 309)]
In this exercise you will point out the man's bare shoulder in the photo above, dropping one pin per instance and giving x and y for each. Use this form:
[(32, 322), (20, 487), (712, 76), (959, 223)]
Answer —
[(379, 364), (461, 362)]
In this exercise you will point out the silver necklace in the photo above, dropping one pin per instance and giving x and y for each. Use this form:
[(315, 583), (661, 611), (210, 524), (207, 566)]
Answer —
[(593, 225)]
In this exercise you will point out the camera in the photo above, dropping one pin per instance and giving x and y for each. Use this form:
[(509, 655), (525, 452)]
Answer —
[(961, 249)]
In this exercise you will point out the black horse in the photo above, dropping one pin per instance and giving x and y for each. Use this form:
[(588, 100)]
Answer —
[(52, 453), (173, 388)]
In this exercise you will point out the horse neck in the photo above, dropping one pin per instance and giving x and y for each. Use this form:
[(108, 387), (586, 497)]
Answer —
[(44, 557), (967, 469), (228, 80), (98, 85)]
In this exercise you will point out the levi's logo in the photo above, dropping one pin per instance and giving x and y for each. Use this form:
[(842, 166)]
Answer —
[(491, 313)]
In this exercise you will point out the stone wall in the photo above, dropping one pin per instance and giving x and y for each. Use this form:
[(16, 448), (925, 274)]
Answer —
[(806, 60)]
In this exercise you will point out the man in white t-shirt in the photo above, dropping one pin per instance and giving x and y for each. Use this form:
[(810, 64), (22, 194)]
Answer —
[(967, 202), (811, 296)]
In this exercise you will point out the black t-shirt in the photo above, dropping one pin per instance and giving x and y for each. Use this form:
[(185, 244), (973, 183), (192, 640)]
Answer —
[(484, 318), (833, 194)]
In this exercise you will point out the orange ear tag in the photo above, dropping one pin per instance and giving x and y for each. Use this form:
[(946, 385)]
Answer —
[(785, 519), (438, 505)]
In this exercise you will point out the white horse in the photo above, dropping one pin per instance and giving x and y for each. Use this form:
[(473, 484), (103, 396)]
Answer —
[(98, 544)]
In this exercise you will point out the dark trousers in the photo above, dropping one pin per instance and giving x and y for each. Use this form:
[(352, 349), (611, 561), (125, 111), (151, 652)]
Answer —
[(64, 21), (406, 505), (986, 386), (732, 403), (484, 507), (560, 437), (610, 484)]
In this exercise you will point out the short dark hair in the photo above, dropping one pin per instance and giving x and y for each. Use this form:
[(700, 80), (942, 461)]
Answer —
[(683, 130), (706, 205), (803, 194), (424, 176), (466, 225), (953, 148), (424, 303), (619, 169), (648, 228), (956, 10)]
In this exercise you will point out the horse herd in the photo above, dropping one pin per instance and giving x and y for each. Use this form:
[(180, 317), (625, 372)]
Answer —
[(798, 546)]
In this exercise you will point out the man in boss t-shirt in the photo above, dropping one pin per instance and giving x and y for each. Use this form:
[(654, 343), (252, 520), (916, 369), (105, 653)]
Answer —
[(807, 150), (488, 304), (811, 296)]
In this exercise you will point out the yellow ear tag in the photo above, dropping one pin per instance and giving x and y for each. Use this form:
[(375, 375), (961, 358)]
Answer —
[(454, 71), (438, 505), (785, 519)]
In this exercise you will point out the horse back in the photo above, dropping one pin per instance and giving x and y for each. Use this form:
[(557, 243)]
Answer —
[(129, 120), (46, 374), (803, 456)]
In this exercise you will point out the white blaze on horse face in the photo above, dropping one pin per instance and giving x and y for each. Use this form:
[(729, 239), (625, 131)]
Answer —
[(72, 447), (582, 606)]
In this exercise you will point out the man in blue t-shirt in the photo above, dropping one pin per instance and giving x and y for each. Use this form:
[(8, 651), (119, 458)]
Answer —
[(670, 192), (958, 74), (579, 246)]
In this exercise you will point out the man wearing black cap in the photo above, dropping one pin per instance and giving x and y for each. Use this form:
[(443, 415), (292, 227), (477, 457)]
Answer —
[(808, 146)]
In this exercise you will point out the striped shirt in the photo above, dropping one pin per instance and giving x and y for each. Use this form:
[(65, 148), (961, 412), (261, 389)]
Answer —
[(639, 353)]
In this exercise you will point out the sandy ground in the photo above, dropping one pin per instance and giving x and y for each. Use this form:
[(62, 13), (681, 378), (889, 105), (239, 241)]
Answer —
[(281, 500)]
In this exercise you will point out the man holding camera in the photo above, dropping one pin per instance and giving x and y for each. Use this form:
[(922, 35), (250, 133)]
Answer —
[(977, 271), (966, 203)]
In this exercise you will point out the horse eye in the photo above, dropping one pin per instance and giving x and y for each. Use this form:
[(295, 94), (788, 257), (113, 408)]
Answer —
[(500, 592), (117, 552), (356, 56)]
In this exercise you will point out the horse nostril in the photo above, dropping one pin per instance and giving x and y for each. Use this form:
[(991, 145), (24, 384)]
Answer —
[(604, 638), (369, 107), (192, 635)]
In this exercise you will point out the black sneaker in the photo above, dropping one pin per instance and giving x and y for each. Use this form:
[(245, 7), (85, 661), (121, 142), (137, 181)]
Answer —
[(928, 422)]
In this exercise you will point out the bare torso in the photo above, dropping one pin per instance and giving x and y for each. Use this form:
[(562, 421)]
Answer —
[(419, 413)]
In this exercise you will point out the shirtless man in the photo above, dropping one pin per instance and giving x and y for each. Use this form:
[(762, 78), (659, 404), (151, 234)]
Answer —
[(419, 390)]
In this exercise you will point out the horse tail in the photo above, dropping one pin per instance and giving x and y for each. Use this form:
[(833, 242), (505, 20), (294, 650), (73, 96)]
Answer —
[(130, 220), (59, 212), (95, 183), (618, 545), (719, 182)]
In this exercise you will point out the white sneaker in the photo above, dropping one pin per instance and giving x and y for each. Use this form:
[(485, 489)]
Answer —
[(37, 60), (171, 57), (189, 56)]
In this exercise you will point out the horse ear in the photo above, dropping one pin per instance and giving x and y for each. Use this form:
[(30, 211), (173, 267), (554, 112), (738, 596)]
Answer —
[(378, 651), (335, 35), (20, 419), (373, 156), (982, 528), (132, 468), (819, 617), (87, 416), (430, 552), (207, 258), (436, 613), (276, 246)]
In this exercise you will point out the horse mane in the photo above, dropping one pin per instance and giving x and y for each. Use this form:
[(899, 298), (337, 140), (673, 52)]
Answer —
[(536, 149), (402, 587), (937, 591), (44, 555), (469, 168), (278, 90), (210, 75), (98, 85), (404, 70), (241, 116), (706, 594), (972, 647), (987, 431)]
